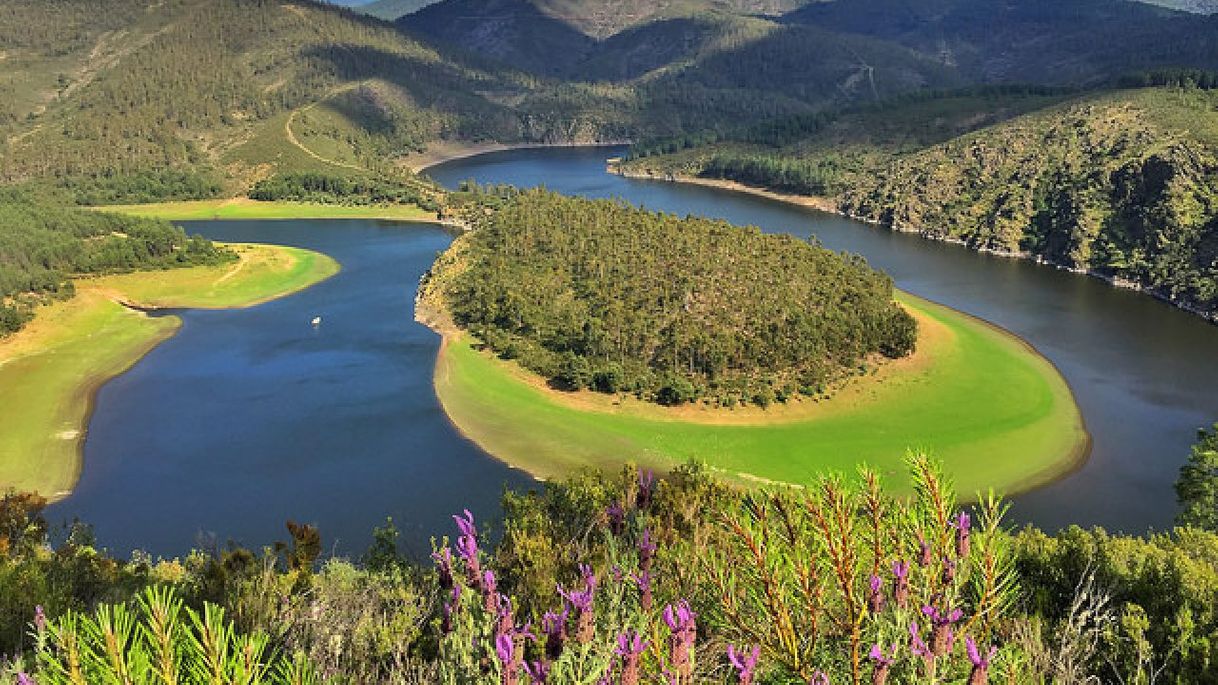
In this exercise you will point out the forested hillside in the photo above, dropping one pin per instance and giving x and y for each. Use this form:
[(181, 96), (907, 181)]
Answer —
[(599, 295), (238, 89), (1038, 41), (245, 86), (1124, 184), (42, 246)]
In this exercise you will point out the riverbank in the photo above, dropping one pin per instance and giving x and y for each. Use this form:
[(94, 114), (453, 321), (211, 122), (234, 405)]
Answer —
[(828, 205), (51, 371), (439, 153), (245, 208), (997, 413)]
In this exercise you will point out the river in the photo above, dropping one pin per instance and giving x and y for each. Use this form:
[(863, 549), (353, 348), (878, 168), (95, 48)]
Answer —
[(1145, 374), (250, 417)]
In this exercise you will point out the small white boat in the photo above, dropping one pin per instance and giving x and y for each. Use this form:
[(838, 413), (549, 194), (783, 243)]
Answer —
[(316, 321)]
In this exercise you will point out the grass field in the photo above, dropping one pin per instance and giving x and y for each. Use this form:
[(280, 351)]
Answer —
[(244, 208), (993, 410), (50, 371)]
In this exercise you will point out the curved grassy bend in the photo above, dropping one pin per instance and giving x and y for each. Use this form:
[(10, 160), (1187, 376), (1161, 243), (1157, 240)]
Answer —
[(244, 208), (50, 370), (993, 410)]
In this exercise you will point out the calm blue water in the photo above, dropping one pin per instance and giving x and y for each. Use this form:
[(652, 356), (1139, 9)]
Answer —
[(248, 418), (1145, 374)]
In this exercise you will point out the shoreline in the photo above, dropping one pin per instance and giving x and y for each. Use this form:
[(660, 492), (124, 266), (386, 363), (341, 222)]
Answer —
[(243, 208), (52, 340), (825, 204), (444, 153), (432, 314)]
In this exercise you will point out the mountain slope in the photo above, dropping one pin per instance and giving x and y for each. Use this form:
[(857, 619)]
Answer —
[(247, 85), (1123, 184), (1041, 41)]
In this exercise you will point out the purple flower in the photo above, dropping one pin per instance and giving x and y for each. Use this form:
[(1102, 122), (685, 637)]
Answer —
[(465, 524), (617, 519), (642, 580), (962, 523), (630, 646), (819, 678), (917, 645), (900, 583), (924, 552), (682, 621), (744, 663), (980, 674), (949, 571), (505, 649), (580, 602), (585, 572), (450, 610), (647, 551), (554, 625), (467, 548), (875, 598), (444, 565), (942, 635), (490, 592), (882, 663), (647, 481), (24, 679)]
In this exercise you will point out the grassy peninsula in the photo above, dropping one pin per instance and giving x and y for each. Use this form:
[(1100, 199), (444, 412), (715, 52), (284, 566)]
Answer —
[(521, 373), (50, 370), (245, 208)]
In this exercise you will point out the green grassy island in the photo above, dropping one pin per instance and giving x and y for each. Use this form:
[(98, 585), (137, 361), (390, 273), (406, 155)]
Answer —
[(50, 370), (993, 410)]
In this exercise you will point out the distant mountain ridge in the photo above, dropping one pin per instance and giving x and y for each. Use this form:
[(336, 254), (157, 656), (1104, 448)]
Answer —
[(987, 41), (392, 10)]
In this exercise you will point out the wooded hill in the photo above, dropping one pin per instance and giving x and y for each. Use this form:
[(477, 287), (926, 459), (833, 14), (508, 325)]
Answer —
[(600, 295), (1122, 183), (242, 88), (42, 246), (245, 86)]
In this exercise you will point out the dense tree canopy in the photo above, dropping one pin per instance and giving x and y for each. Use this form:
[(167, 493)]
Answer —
[(1197, 488), (327, 188), (597, 294), (42, 246)]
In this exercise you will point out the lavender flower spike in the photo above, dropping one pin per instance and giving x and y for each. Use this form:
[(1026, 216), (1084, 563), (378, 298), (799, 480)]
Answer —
[(24, 679), (465, 524), (962, 523), (647, 481), (505, 650), (630, 646), (819, 678), (883, 663), (942, 635), (681, 620), (875, 598), (647, 551), (554, 625), (980, 674), (900, 583), (917, 645), (744, 663)]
